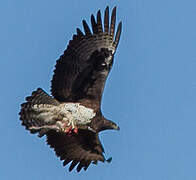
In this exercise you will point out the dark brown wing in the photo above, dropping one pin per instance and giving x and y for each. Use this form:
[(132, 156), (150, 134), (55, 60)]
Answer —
[(81, 71), (80, 149)]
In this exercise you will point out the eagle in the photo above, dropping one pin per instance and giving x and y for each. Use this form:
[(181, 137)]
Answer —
[(71, 117)]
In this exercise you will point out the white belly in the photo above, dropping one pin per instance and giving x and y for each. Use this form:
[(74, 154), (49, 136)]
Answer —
[(78, 113), (68, 112)]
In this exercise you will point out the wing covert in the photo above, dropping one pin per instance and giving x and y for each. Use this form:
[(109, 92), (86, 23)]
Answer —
[(77, 71)]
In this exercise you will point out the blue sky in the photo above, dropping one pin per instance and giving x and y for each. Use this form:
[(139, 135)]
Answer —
[(150, 93)]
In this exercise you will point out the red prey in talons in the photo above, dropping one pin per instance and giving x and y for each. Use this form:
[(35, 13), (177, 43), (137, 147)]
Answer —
[(70, 130)]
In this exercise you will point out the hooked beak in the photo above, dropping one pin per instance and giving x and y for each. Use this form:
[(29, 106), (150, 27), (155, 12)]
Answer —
[(116, 127)]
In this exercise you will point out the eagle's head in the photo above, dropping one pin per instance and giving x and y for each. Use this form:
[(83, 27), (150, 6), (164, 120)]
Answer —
[(101, 124), (108, 124)]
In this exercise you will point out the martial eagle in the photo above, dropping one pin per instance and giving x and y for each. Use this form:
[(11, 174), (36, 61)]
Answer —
[(71, 118)]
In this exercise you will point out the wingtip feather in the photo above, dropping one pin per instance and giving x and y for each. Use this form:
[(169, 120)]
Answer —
[(93, 24), (118, 33), (113, 22), (106, 20), (73, 164), (99, 22), (86, 28), (79, 32)]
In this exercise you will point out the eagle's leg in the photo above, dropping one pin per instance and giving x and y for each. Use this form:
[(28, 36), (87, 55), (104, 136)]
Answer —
[(69, 128), (74, 127), (75, 130)]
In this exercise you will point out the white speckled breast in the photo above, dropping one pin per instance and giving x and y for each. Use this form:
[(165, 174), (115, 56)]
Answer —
[(66, 112), (79, 113)]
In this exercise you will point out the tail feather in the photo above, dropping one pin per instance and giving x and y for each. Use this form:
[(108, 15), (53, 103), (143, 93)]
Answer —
[(41, 97), (28, 113)]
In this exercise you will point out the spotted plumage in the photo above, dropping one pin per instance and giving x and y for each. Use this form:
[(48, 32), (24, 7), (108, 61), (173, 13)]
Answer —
[(71, 118)]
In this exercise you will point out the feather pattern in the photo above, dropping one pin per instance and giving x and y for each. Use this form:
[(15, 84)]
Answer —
[(106, 21), (86, 28), (113, 22), (80, 150), (30, 116), (99, 23), (94, 24), (78, 70)]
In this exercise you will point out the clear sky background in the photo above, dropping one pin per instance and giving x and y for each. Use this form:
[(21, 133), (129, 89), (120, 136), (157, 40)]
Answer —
[(150, 93)]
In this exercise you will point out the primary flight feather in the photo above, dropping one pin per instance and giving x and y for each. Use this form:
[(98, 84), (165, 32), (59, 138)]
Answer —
[(71, 118)]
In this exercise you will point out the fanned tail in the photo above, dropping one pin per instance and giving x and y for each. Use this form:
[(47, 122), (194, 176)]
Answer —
[(30, 113)]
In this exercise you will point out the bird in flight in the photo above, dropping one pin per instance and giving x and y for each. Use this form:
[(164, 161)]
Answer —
[(71, 118)]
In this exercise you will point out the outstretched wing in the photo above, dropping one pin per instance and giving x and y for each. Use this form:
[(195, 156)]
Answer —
[(80, 149), (82, 70)]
